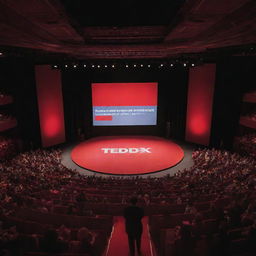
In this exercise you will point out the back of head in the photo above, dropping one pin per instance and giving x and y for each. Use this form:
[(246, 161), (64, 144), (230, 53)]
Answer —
[(185, 232), (49, 241), (134, 200), (51, 235), (83, 234)]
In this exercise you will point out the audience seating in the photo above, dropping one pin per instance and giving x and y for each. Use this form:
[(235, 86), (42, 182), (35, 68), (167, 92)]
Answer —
[(215, 198)]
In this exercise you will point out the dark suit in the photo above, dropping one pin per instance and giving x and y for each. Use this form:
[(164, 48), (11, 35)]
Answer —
[(133, 225)]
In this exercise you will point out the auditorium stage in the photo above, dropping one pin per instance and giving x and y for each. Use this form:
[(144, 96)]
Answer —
[(128, 155)]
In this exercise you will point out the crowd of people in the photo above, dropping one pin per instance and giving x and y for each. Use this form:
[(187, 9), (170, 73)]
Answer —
[(222, 175), (38, 181), (8, 148), (21, 177), (28, 173), (246, 144)]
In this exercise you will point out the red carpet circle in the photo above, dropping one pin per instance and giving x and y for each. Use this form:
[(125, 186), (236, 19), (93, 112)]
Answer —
[(127, 155)]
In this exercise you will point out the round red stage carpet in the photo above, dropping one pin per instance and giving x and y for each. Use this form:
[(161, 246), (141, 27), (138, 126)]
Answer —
[(126, 155)]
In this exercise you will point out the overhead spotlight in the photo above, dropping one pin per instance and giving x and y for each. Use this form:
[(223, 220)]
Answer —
[(172, 65), (135, 65), (1, 54), (55, 66), (93, 66), (75, 66), (84, 65), (126, 66), (98, 66), (141, 65), (66, 66), (184, 64), (113, 66), (192, 64), (106, 66), (149, 66)]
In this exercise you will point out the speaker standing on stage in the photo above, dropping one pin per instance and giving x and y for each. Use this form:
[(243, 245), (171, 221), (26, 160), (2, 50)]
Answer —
[(133, 215)]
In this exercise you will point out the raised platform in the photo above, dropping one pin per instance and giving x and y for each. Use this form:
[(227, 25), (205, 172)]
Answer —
[(127, 155)]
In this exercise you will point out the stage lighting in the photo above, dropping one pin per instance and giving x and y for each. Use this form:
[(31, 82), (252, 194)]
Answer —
[(141, 65), (75, 66), (113, 66), (66, 66), (192, 64), (1, 54), (106, 66), (126, 66), (55, 66), (98, 66), (184, 64), (172, 65), (92, 66), (149, 66), (84, 66), (135, 65)]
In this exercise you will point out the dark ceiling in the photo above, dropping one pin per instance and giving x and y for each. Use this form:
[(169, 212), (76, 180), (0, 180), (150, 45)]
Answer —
[(140, 29), (122, 13)]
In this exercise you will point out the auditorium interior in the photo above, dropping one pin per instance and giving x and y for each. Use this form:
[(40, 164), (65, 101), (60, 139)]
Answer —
[(104, 101)]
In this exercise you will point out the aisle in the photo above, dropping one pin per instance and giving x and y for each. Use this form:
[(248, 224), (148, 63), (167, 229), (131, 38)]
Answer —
[(119, 244)]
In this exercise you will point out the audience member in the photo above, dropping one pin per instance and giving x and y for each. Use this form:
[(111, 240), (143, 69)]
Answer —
[(51, 242), (133, 225)]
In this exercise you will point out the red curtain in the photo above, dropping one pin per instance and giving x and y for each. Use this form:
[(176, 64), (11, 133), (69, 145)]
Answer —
[(50, 104), (199, 104)]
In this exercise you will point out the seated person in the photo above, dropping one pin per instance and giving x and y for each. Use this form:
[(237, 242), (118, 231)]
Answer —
[(64, 233), (51, 243), (185, 243), (85, 239)]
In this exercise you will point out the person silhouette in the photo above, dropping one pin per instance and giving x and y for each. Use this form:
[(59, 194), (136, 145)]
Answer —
[(133, 225)]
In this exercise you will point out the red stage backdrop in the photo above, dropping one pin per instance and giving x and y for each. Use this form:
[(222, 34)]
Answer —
[(124, 94), (50, 104), (199, 104)]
